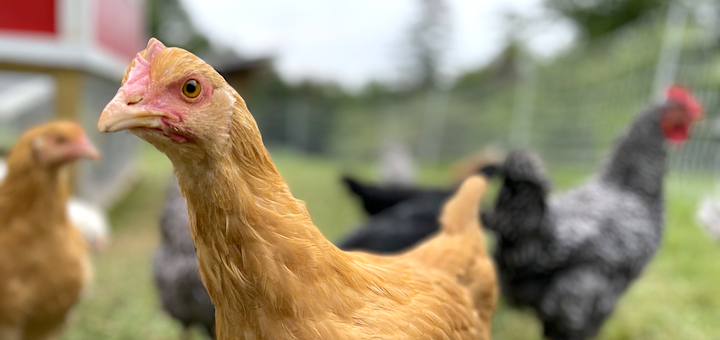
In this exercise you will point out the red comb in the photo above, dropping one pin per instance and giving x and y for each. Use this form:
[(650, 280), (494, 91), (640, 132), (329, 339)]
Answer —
[(682, 96)]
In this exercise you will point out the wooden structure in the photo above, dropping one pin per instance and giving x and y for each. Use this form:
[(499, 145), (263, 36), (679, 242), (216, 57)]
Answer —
[(65, 59)]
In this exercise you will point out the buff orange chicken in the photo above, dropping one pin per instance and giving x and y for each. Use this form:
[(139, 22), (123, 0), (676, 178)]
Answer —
[(269, 271), (44, 260)]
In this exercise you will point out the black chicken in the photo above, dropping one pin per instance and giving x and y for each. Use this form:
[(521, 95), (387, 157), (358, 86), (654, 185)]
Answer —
[(400, 217), (175, 268), (398, 227), (375, 199), (571, 256)]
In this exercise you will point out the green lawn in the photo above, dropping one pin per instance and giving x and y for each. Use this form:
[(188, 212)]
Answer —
[(677, 298)]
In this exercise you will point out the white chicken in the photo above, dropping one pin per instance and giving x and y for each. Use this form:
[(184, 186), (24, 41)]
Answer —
[(708, 216)]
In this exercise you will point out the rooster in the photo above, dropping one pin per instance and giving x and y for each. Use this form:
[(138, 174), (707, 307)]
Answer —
[(268, 270), (571, 256), (44, 261)]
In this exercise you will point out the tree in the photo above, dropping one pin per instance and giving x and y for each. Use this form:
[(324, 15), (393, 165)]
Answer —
[(170, 23), (595, 18), (428, 40)]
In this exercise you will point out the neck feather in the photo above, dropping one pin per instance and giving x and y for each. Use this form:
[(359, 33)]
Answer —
[(33, 190), (638, 159), (259, 252)]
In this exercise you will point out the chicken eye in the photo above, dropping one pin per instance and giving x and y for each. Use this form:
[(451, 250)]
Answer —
[(191, 88), (60, 139)]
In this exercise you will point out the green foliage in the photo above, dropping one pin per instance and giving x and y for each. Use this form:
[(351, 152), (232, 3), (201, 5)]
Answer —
[(597, 18), (428, 39), (500, 74), (169, 22)]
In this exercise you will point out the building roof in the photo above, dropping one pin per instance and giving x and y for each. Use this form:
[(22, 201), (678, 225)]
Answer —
[(99, 37)]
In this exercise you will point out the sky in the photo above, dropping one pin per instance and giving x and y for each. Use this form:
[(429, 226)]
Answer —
[(353, 42)]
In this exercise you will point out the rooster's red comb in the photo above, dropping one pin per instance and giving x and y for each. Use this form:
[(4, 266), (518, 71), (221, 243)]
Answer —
[(682, 96)]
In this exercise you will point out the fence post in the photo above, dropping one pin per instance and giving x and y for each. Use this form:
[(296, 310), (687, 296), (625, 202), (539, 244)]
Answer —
[(672, 44)]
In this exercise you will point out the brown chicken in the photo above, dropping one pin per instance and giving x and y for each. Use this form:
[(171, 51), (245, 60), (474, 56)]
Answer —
[(269, 271), (44, 261)]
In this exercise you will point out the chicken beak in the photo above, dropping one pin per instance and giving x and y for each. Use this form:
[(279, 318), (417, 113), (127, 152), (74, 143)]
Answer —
[(86, 149), (123, 114)]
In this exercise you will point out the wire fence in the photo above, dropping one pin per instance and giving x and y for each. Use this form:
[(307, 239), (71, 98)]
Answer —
[(570, 110)]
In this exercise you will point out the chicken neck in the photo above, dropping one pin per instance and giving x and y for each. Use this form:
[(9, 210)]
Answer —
[(33, 190), (260, 254), (637, 162)]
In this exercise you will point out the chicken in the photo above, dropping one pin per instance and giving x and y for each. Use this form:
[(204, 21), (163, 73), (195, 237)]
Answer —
[(708, 216), (44, 263), (92, 222), (399, 227), (376, 199), (268, 270), (397, 166), (176, 268), (406, 217), (89, 218), (571, 256)]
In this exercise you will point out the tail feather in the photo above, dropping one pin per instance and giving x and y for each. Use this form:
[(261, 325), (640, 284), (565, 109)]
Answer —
[(376, 199), (459, 249), (462, 210), (353, 185), (490, 170)]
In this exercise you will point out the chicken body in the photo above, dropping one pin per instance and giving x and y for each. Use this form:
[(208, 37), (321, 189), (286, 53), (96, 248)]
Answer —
[(708, 216), (376, 199), (175, 268), (90, 219), (399, 227), (399, 217), (92, 222), (571, 256), (269, 271), (276, 277), (44, 261)]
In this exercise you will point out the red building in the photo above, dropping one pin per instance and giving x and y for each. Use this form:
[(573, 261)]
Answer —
[(65, 58)]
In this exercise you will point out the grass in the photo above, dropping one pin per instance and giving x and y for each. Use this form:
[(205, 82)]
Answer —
[(676, 298)]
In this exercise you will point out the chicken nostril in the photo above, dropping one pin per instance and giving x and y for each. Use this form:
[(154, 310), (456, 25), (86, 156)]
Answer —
[(134, 99)]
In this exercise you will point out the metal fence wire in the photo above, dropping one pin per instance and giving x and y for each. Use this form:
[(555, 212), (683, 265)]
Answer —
[(571, 109)]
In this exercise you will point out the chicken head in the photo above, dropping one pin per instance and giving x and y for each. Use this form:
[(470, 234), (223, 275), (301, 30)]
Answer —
[(681, 112), (59, 143), (173, 100)]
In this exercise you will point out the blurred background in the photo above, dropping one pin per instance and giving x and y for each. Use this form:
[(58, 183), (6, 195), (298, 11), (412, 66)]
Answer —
[(405, 91)]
